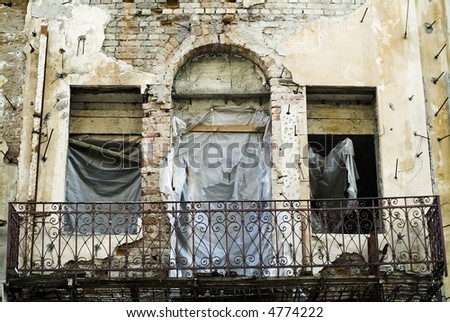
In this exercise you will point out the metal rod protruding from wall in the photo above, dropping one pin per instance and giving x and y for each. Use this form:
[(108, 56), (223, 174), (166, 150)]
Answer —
[(422, 136), (429, 26), (440, 108), (44, 157), (10, 103), (396, 169), (62, 51), (407, 21), (364, 15), (442, 138), (435, 80), (440, 51)]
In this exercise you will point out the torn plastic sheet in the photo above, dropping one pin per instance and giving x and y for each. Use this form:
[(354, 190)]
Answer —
[(219, 166), (333, 176), (100, 170)]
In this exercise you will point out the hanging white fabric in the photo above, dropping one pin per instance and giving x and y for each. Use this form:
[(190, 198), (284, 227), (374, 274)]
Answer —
[(333, 177)]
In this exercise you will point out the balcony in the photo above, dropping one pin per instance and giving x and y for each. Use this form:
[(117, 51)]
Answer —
[(382, 249)]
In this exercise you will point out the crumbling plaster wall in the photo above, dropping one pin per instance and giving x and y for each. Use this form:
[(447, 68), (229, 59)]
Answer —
[(69, 62), (140, 43), (435, 60), (12, 65), (368, 48), (144, 43)]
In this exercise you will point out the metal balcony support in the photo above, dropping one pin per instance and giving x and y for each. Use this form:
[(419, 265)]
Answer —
[(373, 242)]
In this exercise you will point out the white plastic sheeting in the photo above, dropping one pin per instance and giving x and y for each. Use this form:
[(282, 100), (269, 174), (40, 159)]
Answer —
[(333, 176), (219, 166)]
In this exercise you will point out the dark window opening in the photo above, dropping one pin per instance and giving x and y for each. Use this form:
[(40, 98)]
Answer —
[(348, 217)]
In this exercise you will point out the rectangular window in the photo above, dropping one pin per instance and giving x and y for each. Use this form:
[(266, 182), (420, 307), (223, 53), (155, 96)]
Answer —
[(103, 162), (342, 157)]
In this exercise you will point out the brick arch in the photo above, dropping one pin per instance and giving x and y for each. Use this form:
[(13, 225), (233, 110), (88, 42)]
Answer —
[(265, 63)]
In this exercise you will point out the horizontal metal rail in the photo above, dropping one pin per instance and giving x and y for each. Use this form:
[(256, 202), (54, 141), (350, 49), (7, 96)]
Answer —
[(288, 238)]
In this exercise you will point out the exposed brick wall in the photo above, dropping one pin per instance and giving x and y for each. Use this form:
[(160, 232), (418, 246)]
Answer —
[(12, 69), (144, 32)]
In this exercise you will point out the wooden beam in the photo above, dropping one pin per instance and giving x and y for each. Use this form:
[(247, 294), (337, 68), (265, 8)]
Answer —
[(352, 112), (104, 125), (107, 98), (228, 128), (222, 96), (107, 113), (340, 126), (103, 151), (37, 115)]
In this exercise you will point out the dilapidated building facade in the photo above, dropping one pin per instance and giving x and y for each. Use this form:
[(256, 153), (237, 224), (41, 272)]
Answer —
[(224, 150)]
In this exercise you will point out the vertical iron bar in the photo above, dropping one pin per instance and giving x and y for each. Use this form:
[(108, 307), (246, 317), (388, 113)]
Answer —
[(227, 240), (244, 250), (408, 230), (275, 239), (375, 204), (260, 250), (292, 247), (75, 255), (441, 235), (13, 237), (391, 227), (60, 231), (307, 259), (43, 235)]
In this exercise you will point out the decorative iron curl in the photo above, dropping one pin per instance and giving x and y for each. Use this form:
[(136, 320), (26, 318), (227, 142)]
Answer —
[(238, 260), (252, 217), (234, 206), (219, 217), (217, 227), (85, 229), (48, 263), (424, 269), (284, 217), (233, 217), (367, 225), (20, 207), (360, 203), (53, 232), (426, 200), (204, 262), (117, 263), (183, 261), (216, 261), (53, 220), (221, 205)]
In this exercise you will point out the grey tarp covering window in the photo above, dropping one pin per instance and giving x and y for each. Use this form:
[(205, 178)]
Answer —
[(218, 166), (100, 170), (333, 176)]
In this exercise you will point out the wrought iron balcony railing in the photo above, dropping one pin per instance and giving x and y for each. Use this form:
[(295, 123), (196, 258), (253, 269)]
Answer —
[(234, 238)]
